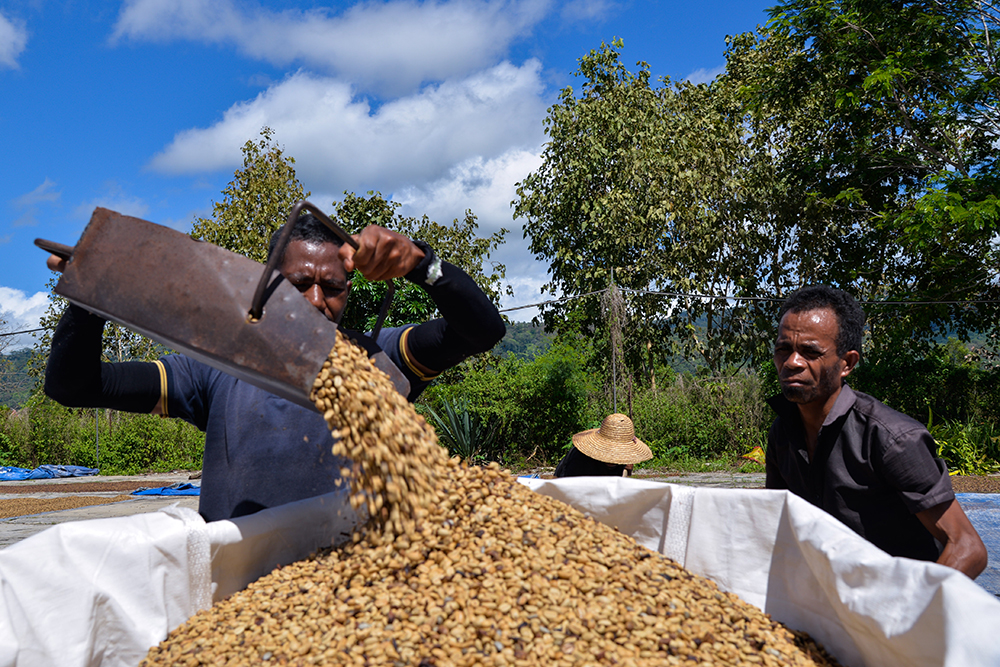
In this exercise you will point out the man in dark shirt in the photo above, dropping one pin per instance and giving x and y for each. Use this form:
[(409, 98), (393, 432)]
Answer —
[(873, 468), (262, 450)]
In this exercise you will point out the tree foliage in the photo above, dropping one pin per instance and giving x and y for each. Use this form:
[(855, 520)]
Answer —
[(848, 142), (457, 244), (255, 203), (877, 122), (640, 181)]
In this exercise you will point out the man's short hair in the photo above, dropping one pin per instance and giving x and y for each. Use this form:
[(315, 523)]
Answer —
[(850, 316), (307, 228)]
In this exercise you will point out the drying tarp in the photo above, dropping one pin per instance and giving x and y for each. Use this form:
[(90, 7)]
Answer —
[(983, 510), (179, 489), (103, 591), (10, 473)]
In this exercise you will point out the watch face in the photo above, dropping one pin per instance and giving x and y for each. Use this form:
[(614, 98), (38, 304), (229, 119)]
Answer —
[(433, 272)]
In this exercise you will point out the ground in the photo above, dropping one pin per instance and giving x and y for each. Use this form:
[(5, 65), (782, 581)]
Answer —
[(30, 506)]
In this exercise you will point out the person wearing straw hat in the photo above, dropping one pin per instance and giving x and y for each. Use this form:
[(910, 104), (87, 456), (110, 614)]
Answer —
[(608, 451)]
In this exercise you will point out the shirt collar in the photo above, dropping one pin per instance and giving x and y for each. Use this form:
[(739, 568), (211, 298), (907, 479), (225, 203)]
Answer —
[(843, 404)]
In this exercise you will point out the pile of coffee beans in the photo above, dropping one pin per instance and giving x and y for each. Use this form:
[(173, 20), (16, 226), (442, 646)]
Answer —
[(462, 565)]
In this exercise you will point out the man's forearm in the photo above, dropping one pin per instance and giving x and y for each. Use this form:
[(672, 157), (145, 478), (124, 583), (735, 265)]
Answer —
[(963, 548), (470, 323), (965, 557)]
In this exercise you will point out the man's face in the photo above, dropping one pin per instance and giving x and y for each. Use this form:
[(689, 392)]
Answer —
[(805, 355), (317, 272)]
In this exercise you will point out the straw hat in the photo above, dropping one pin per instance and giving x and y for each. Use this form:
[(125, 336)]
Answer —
[(614, 442)]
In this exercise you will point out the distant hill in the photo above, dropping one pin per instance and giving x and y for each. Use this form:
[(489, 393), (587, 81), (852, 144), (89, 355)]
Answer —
[(15, 383), (525, 340)]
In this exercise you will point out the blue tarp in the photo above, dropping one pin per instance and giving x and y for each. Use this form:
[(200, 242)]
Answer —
[(10, 473), (180, 489), (983, 510)]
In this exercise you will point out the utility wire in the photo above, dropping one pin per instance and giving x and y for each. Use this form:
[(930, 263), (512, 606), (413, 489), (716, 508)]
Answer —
[(676, 295), (749, 298), (17, 333), (560, 300)]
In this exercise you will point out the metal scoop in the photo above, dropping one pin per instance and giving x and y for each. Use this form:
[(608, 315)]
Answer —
[(196, 298)]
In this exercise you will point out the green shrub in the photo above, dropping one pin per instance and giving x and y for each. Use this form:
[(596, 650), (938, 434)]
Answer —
[(14, 437), (140, 443), (703, 417), (967, 448), (536, 405), (464, 433), (44, 432), (946, 381)]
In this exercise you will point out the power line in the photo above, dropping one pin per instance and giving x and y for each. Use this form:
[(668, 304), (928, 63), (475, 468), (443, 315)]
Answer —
[(17, 333), (690, 295), (781, 300), (560, 300)]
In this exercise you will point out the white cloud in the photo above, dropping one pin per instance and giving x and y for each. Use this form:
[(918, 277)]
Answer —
[(21, 312), (705, 75), (487, 186), (13, 40), (113, 198), (341, 143), (43, 193), (28, 203), (390, 47), (484, 185), (587, 10)]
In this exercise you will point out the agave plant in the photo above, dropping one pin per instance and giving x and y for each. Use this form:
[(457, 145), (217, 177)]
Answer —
[(963, 446), (463, 432)]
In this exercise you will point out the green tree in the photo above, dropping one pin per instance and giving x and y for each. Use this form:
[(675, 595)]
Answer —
[(456, 243), (875, 125), (642, 182), (255, 203), (849, 142)]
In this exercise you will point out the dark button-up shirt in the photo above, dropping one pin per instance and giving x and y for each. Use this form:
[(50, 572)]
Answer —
[(873, 469)]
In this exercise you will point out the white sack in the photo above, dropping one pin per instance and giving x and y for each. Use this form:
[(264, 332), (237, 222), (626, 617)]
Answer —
[(247, 548), (104, 591), (101, 592), (804, 568)]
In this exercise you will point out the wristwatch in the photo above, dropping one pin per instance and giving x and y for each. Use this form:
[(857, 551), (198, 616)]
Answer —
[(428, 271)]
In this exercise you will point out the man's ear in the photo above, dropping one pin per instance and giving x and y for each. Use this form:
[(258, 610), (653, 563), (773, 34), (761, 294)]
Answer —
[(851, 360)]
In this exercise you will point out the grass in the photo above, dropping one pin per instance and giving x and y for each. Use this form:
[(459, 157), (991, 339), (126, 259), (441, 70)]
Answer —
[(658, 467)]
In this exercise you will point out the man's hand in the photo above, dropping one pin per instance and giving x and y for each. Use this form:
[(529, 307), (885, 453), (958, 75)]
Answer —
[(381, 255), (56, 263), (963, 548)]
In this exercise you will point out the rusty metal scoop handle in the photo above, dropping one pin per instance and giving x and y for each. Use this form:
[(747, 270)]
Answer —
[(60, 250), (257, 307)]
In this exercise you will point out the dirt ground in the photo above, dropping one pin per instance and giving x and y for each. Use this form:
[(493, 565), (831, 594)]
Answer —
[(973, 484), (10, 507), (16, 499), (77, 487)]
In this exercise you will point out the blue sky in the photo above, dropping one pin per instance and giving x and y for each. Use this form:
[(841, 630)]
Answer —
[(142, 106)]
